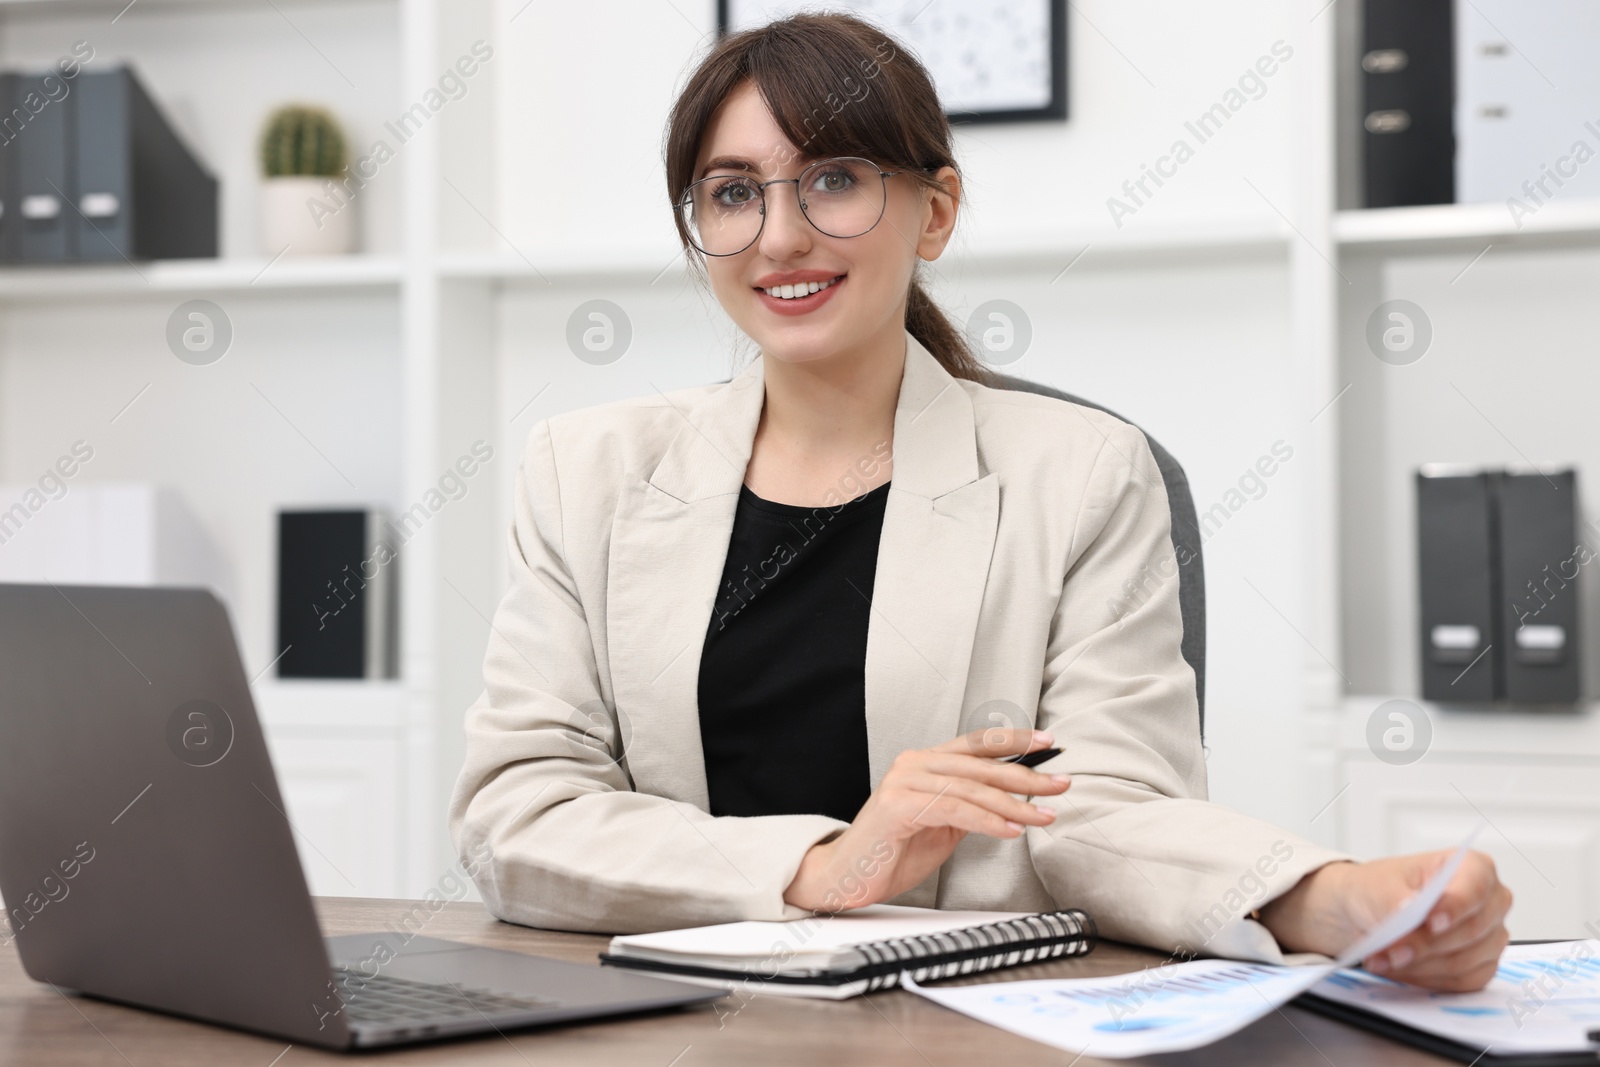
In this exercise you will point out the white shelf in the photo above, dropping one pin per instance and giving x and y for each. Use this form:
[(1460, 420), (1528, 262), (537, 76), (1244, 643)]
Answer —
[(1466, 226), (315, 273), (1557, 734), (69, 281), (1099, 244)]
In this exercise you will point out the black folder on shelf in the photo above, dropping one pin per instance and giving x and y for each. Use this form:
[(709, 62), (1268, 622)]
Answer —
[(1539, 573), (1408, 102), (1456, 566), (10, 219), (37, 121), (139, 193), (336, 595), (90, 171)]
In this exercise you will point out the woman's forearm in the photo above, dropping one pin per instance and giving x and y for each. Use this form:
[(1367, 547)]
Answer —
[(1309, 917)]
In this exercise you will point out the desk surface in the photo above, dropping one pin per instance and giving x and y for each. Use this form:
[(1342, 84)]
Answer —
[(40, 1028)]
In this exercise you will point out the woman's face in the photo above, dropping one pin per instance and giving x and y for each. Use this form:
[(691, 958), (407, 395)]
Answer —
[(870, 273)]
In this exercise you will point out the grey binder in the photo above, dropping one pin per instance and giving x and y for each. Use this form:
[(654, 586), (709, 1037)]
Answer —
[(1539, 572), (139, 192), (37, 114), (1456, 563), (1408, 91), (9, 218)]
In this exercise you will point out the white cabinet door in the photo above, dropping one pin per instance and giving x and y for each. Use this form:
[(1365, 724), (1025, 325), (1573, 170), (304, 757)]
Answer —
[(342, 792), (1543, 828)]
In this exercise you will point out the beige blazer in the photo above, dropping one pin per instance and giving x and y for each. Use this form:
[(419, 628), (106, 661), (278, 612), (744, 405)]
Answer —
[(1012, 523)]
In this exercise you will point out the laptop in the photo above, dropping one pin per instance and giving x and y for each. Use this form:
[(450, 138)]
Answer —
[(146, 857)]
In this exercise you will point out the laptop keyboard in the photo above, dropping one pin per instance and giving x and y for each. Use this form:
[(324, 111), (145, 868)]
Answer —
[(385, 999)]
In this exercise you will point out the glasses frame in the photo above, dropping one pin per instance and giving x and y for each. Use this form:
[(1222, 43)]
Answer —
[(761, 190)]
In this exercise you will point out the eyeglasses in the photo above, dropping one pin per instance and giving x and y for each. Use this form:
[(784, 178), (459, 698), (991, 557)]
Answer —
[(841, 197)]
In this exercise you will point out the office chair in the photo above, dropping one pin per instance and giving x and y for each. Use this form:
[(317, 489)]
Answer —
[(1185, 537)]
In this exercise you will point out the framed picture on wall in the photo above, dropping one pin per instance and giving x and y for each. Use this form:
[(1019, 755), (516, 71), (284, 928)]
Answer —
[(991, 60)]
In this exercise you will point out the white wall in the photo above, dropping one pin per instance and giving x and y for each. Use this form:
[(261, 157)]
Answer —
[(1137, 73)]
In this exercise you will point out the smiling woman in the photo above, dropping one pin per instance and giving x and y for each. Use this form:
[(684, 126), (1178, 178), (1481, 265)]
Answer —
[(704, 703)]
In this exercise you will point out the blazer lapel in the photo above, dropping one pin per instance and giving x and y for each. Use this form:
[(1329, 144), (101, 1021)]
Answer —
[(669, 541), (933, 564)]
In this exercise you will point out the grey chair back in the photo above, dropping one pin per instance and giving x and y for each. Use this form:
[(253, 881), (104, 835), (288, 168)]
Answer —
[(1185, 537)]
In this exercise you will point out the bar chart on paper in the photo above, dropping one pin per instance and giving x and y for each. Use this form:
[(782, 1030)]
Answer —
[(1171, 1008), (1543, 999)]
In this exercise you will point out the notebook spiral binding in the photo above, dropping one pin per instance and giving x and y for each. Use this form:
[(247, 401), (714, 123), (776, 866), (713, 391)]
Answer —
[(1047, 935)]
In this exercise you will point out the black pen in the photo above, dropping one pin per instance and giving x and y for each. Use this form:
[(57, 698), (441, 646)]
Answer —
[(1033, 759)]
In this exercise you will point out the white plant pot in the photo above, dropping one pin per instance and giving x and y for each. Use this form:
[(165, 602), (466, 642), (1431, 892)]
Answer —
[(302, 215)]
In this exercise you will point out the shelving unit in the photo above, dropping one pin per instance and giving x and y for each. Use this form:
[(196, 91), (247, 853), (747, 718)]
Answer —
[(311, 405), (1466, 226), (1504, 382), (164, 277), (1221, 317)]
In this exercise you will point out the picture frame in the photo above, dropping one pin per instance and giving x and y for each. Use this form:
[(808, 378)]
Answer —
[(968, 46)]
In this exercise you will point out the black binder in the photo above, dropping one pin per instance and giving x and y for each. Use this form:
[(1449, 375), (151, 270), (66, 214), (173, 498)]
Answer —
[(1408, 94), (1456, 566), (39, 111), (1539, 573), (139, 192), (336, 603), (10, 127)]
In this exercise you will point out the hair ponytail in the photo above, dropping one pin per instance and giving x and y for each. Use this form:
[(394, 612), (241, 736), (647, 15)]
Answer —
[(942, 338)]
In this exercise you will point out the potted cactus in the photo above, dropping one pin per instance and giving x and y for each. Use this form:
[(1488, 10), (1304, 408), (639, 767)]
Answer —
[(305, 206)]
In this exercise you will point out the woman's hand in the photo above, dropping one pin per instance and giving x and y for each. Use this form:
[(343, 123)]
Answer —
[(1455, 950), (928, 800)]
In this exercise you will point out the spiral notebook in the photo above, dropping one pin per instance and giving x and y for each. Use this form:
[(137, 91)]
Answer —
[(858, 951)]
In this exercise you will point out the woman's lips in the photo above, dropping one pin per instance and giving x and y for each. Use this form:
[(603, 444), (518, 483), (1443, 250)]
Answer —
[(800, 305)]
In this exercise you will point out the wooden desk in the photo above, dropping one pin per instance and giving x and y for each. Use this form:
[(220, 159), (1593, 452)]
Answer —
[(41, 1028)]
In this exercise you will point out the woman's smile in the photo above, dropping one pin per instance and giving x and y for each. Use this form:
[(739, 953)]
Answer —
[(795, 299)]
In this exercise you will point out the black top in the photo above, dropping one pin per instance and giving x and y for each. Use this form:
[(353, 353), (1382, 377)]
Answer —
[(782, 684)]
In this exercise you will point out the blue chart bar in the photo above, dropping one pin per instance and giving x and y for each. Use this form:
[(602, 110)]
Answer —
[(1153, 985), (1567, 970)]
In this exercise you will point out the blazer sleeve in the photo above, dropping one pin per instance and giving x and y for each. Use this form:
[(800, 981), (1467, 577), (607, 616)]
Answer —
[(544, 814), (1135, 842)]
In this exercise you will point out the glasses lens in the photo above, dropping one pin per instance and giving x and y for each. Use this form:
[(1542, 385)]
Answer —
[(722, 214), (842, 197)]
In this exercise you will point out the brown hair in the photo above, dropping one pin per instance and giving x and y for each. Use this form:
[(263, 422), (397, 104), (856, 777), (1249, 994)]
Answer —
[(836, 86)]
